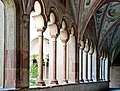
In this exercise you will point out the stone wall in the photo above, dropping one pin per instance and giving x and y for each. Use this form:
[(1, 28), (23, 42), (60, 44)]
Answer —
[(115, 77), (95, 86), (1, 43)]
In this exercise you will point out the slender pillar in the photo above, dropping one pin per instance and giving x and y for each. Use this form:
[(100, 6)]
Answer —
[(101, 68), (104, 68), (81, 61), (64, 38), (46, 70), (94, 65), (91, 61), (39, 25), (86, 66), (53, 49), (86, 59), (40, 67), (53, 59), (90, 68), (72, 62), (64, 63)]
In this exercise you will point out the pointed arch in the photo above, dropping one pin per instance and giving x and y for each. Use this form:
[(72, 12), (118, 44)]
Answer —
[(54, 10)]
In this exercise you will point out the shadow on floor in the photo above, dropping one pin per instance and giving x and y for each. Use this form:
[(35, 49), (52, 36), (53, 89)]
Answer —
[(114, 89)]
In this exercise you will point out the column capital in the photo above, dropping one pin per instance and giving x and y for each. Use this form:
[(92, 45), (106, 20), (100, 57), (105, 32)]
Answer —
[(104, 56), (82, 45), (78, 45), (40, 30), (86, 46), (63, 33), (104, 59), (91, 51), (52, 26), (53, 39), (101, 58), (53, 29), (26, 18), (40, 33), (39, 22)]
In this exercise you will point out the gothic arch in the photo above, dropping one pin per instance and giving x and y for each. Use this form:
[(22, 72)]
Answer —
[(73, 25), (65, 20), (54, 10)]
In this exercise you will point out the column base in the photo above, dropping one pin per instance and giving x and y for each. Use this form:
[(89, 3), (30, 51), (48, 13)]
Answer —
[(100, 79), (81, 81), (86, 80), (91, 80), (64, 81), (77, 81), (69, 81), (40, 83), (104, 80), (54, 82)]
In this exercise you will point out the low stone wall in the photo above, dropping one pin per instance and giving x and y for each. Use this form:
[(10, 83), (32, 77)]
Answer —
[(93, 86), (115, 77)]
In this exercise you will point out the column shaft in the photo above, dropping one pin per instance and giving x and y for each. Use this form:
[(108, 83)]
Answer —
[(91, 67), (104, 70), (86, 53), (40, 67), (101, 69), (53, 59), (46, 70), (81, 64), (64, 62)]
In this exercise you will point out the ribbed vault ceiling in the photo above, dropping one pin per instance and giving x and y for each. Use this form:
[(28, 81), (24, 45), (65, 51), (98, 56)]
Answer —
[(107, 22)]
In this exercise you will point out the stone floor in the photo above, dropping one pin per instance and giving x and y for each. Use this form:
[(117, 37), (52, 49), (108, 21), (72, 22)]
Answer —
[(114, 89)]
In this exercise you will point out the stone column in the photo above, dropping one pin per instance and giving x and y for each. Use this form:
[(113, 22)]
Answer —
[(64, 62), (97, 66), (40, 67), (90, 63), (94, 64), (53, 49), (101, 68), (64, 38), (40, 26), (46, 69), (24, 48), (72, 62), (53, 59), (86, 59), (81, 61), (104, 68)]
